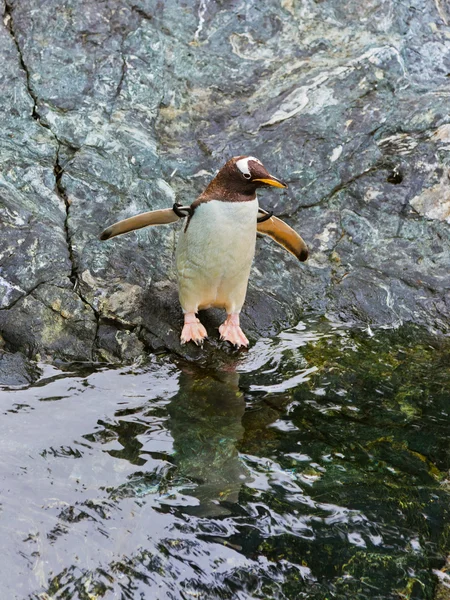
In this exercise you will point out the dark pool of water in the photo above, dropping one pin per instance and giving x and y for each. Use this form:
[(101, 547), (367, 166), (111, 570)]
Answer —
[(314, 466)]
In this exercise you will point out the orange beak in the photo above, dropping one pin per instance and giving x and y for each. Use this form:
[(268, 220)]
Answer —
[(272, 181)]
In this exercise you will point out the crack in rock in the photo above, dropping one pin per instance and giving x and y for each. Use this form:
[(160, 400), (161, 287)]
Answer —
[(23, 296), (122, 75), (60, 190), (58, 170), (139, 11), (9, 23), (61, 193)]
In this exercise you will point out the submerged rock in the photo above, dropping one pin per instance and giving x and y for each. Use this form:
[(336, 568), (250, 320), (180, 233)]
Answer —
[(109, 109)]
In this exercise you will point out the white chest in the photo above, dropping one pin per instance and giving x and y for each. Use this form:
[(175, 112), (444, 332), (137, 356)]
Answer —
[(217, 249), (227, 218), (221, 231)]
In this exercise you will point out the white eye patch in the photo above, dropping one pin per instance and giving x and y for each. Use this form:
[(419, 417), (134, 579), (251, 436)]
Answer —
[(242, 164)]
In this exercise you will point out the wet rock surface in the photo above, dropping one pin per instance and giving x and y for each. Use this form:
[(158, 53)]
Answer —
[(112, 108), (16, 370)]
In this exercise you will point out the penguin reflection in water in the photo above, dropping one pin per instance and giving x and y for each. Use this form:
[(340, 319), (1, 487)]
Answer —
[(217, 244)]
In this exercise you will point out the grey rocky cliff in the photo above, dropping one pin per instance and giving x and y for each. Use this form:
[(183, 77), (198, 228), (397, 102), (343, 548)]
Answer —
[(110, 108)]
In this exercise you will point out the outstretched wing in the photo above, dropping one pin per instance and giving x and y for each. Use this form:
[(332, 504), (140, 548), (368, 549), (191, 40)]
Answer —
[(154, 217), (283, 235)]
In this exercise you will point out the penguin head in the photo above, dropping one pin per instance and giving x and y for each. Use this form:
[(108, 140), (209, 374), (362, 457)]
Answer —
[(249, 171), (239, 178)]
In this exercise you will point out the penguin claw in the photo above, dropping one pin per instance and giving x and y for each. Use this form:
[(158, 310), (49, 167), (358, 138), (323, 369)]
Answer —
[(194, 332), (230, 332)]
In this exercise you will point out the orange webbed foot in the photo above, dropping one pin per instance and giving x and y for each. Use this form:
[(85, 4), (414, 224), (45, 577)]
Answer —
[(230, 331), (193, 330)]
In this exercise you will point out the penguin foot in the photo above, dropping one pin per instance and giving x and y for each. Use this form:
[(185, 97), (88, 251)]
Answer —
[(193, 330), (230, 331)]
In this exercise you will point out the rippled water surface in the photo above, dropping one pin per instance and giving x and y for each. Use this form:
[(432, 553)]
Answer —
[(314, 466)]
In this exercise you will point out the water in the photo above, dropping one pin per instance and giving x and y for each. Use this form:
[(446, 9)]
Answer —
[(314, 466)]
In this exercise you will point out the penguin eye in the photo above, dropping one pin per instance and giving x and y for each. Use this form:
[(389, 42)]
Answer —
[(247, 175)]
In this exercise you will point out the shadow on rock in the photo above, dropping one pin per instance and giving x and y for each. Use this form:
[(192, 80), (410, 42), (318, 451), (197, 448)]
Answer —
[(162, 321)]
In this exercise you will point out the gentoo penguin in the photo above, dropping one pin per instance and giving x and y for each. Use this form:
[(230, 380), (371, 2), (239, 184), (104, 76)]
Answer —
[(217, 244)]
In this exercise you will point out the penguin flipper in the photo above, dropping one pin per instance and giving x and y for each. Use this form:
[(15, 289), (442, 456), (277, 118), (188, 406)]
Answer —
[(154, 217), (284, 235)]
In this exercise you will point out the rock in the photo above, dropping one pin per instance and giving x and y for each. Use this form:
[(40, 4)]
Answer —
[(113, 108), (16, 370), (52, 322), (434, 202), (442, 591)]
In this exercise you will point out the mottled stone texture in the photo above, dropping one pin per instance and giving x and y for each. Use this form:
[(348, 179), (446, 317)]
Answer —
[(16, 370), (110, 108)]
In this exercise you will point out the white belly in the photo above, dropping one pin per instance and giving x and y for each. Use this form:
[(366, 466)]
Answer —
[(215, 254)]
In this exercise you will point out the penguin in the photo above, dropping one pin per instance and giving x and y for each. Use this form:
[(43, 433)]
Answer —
[(217, 243)]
